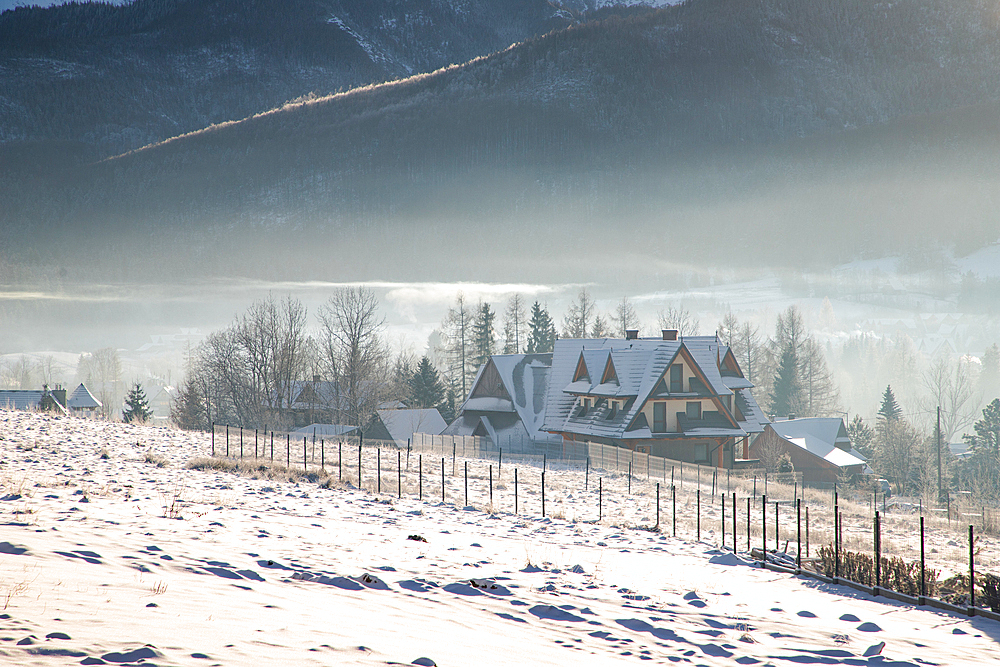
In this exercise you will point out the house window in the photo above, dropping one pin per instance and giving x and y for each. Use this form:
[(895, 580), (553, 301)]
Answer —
[(701, 453), (676, 379), (612, 409), (694, 410), (659, 417)]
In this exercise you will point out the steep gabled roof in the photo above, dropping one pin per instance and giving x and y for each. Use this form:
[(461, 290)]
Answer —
[(402, 424), (516, 407), (82, 399), (830, 430), (641, 367)]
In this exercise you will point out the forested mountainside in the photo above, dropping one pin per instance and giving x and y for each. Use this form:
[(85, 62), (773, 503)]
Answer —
[(114, 78), (716, 130)]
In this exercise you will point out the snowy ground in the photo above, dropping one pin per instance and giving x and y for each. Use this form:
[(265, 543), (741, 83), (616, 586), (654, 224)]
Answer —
[(122, 559)]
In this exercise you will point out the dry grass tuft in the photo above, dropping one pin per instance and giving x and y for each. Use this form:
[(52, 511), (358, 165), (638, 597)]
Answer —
[(158, 460), (268, 471)]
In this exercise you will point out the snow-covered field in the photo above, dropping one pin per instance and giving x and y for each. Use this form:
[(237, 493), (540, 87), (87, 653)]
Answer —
[(133, 557)]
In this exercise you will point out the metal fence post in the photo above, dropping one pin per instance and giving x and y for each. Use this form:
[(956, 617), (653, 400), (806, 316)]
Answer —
[(723, 533), (442, 479), (698, 514), (600, 498), (749, 511), (227, 441), (923, 576), (305, 450), (763, 531), (491, 487), (657, 506), (466, 482), (777, 529), (735, 543), (798, 533), (972, 572), (241, 443), (878, 554), (399, 472), (543, 493), (378, 468), (288, 450), (673, 498)]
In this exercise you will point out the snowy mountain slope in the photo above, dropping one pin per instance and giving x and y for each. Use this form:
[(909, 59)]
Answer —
[(116, 78)]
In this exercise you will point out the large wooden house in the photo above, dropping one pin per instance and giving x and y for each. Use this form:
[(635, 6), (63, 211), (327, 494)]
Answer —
[(679, 398)]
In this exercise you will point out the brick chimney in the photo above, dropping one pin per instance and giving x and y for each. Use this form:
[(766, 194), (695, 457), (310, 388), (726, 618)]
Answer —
[(631, 334), (669, 334)]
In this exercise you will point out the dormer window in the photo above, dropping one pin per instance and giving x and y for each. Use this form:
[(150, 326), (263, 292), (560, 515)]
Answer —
[(676, 379), (612, 409)]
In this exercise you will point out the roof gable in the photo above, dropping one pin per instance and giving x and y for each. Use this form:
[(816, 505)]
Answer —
[(610, 375), (490, 383), (581, 372)]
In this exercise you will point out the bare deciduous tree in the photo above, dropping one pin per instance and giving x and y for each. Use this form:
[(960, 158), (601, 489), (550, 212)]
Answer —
[(102, 372), (458, 337), (679, 318), (577, 322), (272, 335), (515, 327), (352, 347), (624, 317), (952, 386)]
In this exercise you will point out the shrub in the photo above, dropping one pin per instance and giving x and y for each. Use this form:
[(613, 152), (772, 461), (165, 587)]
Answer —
[(896, 574)]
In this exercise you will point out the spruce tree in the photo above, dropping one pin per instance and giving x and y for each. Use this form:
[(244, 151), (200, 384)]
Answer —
[(787, 392), (426, 388), (862, 436), (136, 406), (541, 331), (483, 334), (890, 410)]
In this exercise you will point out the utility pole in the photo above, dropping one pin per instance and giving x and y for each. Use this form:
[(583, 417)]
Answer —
[(940, 490)]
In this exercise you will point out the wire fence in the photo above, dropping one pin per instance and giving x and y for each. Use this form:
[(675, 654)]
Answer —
[(771, 517)]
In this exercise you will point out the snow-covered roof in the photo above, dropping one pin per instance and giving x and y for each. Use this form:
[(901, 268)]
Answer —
[(640, 365), (325, 430), (830, 430), (515, 410), (825, 450), (402, 424), (82, 399)]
